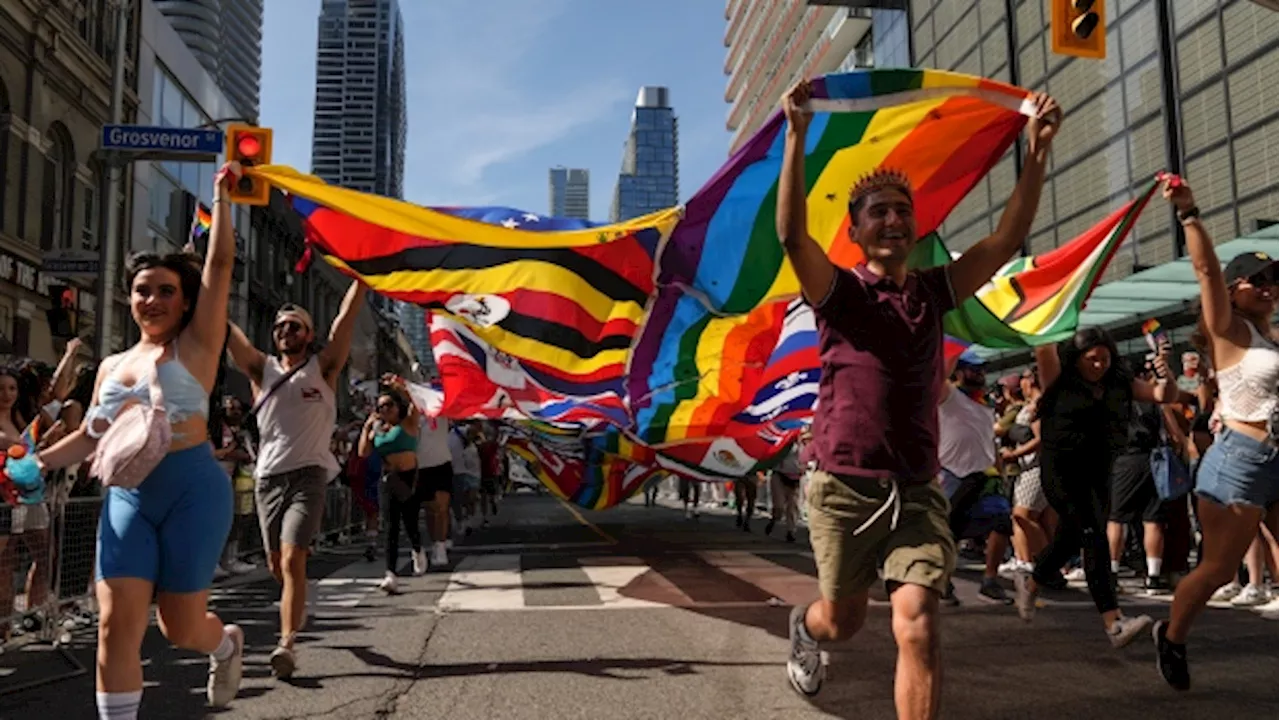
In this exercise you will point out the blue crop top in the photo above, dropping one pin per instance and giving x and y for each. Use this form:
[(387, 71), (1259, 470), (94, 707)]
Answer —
[(395, 440), (184, 396)]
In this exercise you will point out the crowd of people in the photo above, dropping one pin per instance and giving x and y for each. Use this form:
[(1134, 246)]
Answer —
[(906, 460)]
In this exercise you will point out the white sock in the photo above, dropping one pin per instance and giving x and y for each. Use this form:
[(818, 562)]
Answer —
[(226, 648), (1115, 566), (119, 705), (1153, 566)]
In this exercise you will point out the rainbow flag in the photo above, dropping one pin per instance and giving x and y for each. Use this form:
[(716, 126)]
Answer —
[(201, 221), (567, 298), (724, 284)]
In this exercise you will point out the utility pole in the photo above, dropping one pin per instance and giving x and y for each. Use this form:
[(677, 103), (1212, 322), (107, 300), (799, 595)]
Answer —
[(107, 252)]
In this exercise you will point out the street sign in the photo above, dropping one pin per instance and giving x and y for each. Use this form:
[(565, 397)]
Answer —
[(164, 140), (71, 263)]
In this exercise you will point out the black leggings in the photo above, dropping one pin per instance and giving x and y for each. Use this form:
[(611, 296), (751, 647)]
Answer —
[(408, 511), (1080, 493)]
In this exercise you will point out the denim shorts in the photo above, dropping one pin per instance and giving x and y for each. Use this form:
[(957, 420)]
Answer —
[(1238, 470)]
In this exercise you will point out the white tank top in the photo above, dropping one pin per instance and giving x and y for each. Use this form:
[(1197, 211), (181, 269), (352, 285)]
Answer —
[(1247, 390), (297, 421), (433, 442)]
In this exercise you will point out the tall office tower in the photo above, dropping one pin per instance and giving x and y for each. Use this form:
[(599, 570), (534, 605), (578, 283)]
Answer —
[(226, 37), (773, 45), (650, 175), (570, 190), (360, 125), (1185, 86)]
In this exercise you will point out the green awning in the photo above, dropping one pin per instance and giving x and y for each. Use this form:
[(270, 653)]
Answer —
[(1154, 293)]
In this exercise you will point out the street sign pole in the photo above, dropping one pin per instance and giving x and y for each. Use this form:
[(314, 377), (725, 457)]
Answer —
[(107, 252)]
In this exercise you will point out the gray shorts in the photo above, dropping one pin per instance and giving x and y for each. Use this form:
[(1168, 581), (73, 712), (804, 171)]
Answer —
[(291, 506)]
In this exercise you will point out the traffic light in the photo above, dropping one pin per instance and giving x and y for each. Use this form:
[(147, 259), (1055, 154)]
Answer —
[(1079, 28), (62, 311), (249, 146)]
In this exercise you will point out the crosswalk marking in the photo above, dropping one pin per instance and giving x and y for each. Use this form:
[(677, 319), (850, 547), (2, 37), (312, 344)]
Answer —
[(484, 582)]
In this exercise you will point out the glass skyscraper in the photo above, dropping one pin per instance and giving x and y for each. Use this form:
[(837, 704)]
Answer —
[(570, 191), (650, 175)]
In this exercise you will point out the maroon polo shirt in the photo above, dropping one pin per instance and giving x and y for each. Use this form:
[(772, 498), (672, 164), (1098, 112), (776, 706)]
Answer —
[(881, 348)]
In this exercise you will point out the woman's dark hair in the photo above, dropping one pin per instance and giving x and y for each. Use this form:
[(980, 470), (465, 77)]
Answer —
[(187, 266), (15, 412), (1069, 353), (397, 397), (32, 376)]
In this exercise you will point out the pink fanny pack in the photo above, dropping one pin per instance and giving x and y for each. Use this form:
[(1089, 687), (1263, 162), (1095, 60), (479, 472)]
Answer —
[(136, 442)]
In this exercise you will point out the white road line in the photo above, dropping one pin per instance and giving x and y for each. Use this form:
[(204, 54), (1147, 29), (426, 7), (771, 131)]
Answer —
[(608, 580), (484, 582)]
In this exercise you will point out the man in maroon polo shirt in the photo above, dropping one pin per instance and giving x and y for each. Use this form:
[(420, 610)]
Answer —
[(873, 498)]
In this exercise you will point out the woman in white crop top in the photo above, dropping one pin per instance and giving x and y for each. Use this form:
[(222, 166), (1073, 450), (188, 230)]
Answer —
[(1236, 484)]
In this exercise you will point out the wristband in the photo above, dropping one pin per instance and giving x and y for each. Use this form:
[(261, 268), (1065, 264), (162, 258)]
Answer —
[(1191, 213)]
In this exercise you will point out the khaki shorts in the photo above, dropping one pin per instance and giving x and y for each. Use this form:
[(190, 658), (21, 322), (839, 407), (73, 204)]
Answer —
[(919, 550), (291, 506)]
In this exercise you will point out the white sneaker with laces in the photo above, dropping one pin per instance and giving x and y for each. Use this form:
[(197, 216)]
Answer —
[(224, 675), (1125, 629), (807, 667), (419, 561), (1250, 596), (1227, 592), (240, 568)]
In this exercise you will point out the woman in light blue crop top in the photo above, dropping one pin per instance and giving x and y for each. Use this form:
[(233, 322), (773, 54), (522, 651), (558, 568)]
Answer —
[(167, 534), (1236, 482), (392, 432)]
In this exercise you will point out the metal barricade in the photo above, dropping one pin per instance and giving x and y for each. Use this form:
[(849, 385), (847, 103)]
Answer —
[(46, 568)]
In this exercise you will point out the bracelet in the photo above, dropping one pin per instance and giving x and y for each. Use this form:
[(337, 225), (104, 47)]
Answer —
[(221, 200), (1193, 213)]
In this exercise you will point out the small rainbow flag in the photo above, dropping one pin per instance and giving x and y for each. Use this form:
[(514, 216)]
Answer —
[(201, 221)]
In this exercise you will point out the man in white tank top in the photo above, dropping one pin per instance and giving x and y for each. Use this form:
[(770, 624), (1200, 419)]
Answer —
[(294, 397)]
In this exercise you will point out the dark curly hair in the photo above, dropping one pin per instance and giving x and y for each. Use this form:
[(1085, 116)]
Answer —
[(187, 266)]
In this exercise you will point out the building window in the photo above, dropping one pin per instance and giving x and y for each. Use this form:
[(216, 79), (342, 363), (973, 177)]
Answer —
[(90, 208), (58, 193)]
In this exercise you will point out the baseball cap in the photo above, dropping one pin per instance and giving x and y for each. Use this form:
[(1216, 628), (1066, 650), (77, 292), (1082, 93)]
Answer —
[(289, 311), (970, 359), (1247, 265)]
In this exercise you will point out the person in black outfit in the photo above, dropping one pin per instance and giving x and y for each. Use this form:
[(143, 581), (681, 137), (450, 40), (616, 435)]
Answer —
[(1084, 417), (1133, 493)]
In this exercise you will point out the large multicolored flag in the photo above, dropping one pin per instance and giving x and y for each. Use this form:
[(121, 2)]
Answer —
[(724, 285), (561, 295), (1037, 300)]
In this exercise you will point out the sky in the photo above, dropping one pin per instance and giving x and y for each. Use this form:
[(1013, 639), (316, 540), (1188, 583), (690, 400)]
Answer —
[(499, 91)]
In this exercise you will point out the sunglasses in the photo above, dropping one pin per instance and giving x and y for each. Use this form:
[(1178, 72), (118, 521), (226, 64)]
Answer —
[(289, 326), (385, 405)]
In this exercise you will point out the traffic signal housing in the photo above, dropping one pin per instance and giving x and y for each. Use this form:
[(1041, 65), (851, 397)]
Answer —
[(62, 311), (249, 146), (1079, 28)]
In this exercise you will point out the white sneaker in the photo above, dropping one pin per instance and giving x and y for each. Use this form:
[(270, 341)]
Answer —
[(1125, 629), (1024, 597), (283, 662), (1227, 592), (439, 556), (388, 584), (224, 675), (419, 561), (806, 668), (236, 567), (1076, 575), (1250, 596)]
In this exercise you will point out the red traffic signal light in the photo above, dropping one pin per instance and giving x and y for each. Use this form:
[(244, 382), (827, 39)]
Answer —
[(249, 146)]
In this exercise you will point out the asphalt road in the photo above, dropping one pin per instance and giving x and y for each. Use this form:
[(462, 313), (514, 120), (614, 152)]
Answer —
[(637, 612)]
